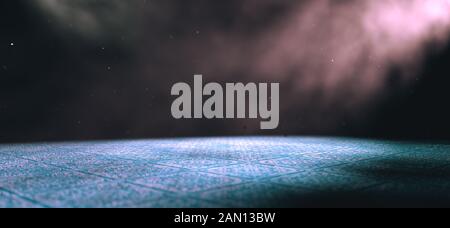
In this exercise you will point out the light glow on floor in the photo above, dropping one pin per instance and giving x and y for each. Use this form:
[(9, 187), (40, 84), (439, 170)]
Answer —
[(224, 172)]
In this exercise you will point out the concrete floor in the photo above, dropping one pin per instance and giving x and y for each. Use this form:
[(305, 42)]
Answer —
[(225, 172)]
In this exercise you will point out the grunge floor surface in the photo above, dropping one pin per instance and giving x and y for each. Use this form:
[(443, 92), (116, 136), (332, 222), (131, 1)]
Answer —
[(225, 172)]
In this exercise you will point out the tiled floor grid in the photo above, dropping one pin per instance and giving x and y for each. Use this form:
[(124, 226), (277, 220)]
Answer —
[(225, 172)]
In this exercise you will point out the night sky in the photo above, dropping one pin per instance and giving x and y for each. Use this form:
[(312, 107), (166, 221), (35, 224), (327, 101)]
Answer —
[(103, 69)]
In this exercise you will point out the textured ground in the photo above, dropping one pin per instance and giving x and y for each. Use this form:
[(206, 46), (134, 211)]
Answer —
[(225, 172)]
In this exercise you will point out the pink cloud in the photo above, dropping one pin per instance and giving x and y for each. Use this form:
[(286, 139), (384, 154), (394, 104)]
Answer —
[(339, 53)]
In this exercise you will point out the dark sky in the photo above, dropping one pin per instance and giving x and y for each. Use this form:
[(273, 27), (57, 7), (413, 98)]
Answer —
[(102, 69)]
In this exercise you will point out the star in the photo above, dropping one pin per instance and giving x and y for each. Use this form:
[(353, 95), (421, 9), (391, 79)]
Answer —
[(12, 44)]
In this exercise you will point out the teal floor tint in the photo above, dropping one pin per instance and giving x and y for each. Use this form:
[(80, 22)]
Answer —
[(225, 172)]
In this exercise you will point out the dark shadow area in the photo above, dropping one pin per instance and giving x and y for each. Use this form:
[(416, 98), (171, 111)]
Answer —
[(386, 199), (404, 182), (420, 112)]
